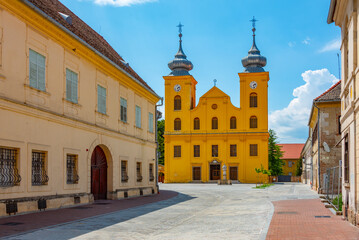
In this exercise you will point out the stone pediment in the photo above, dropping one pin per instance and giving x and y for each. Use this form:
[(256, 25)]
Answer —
[(215, 92)]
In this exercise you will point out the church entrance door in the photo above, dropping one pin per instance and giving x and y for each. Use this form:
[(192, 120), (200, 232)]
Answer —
[(98, 174), (215, 172)]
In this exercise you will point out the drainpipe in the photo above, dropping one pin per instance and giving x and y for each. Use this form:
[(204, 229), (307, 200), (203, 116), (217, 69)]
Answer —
[(318, 137), (156, 118)]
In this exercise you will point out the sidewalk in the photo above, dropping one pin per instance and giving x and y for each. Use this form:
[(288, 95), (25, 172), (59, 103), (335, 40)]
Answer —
[(32, 221), (308, 219)]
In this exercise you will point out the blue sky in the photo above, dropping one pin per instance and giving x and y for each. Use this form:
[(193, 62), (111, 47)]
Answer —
[(301, 48)]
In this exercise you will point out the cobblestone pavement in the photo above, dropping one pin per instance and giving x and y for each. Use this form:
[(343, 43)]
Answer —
[(199, 211)]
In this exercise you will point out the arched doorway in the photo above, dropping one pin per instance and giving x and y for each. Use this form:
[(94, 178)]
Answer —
[(98, 174)]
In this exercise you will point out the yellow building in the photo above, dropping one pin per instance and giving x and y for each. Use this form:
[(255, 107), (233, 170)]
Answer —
[(201, 138), (291, 155), (77, 121)]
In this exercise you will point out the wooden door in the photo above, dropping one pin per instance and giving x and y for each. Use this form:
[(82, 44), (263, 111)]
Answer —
[(233, 173), (98, 174), (196, 173), (215, 172)]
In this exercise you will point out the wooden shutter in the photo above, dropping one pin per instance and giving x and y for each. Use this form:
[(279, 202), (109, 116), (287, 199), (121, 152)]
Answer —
[(150, 122), (33, 69), (138, 117), (101, 99)]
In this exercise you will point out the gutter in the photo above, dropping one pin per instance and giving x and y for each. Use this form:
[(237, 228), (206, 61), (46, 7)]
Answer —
[(39, 11), (332, 6), (318, 138)]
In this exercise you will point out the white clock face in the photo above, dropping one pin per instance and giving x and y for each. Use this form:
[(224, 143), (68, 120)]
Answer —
[(177, 87), (253, 85)]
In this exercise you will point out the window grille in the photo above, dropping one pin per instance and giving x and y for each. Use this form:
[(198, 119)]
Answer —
[(150, 122), (233, 150), (214, 123), (214, 150), (39, 176), (9, 174), (196, 124), (101, 99), (71, 86), (123, 103), (138, 171), (152, 177), (196, 150), (177, 124), (177, 151), (253, 100), (36, 70), (233, 123), (177, 103), (253, 122), (138, 116), (346, 159), (253, 150), (71, 165), (124, 176)]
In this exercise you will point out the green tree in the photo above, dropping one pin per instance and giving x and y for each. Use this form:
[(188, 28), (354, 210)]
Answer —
[(298, 170), (161, 147), (274, 155)]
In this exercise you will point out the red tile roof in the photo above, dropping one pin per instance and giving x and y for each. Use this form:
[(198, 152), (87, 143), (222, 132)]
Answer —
[(332, 94), (51, 8), (291, 150)]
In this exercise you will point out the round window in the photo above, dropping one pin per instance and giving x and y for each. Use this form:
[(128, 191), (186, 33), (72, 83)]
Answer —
[(214, 106)]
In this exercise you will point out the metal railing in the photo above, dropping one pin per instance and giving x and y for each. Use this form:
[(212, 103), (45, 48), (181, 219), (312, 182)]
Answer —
[(332, 185)]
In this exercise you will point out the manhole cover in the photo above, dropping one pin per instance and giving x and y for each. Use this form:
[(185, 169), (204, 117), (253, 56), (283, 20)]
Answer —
[(12, 223), (287, 212), (101, 203), (322, 216), (81, 208)]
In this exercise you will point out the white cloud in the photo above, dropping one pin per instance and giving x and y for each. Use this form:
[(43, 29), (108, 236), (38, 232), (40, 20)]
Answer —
[(333, 45), (291, 44), (290, 122), (121, 3), (306, 41)]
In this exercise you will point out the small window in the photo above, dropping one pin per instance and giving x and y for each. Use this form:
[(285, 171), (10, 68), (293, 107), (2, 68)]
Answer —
[(233, 150), (139, 172), (346, 159), (39, 168), (138, 116), (124, 176), (37, 70), (253, 150), (214, 106), (290, 173), (150, 122), (253, 100), (253, 122), (177, 124), (177, 151), (152, 176), (71, 86), (214, 150), (233, 123), (339, 125), (290, 164), (9, 167), (196, 150), (214, 123), (177, 103), (196, 124), (123, 103), (101, 99), (71, 166)]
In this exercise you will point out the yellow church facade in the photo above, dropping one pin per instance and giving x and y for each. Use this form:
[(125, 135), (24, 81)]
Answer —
[(202, 140)]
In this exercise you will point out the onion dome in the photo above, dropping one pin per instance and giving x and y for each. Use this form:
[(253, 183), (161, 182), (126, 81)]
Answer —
[(254, 61), (180, 65)]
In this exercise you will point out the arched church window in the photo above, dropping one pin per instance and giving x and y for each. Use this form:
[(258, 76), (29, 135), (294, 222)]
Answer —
[(196, 124), (177, 124), (253, 100), (233, 123), (214, 123), (177, 103), (253, 122)]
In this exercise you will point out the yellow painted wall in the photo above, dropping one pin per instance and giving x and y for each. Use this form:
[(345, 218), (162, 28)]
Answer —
[(44, 120), (287, 169), (180, 169)]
